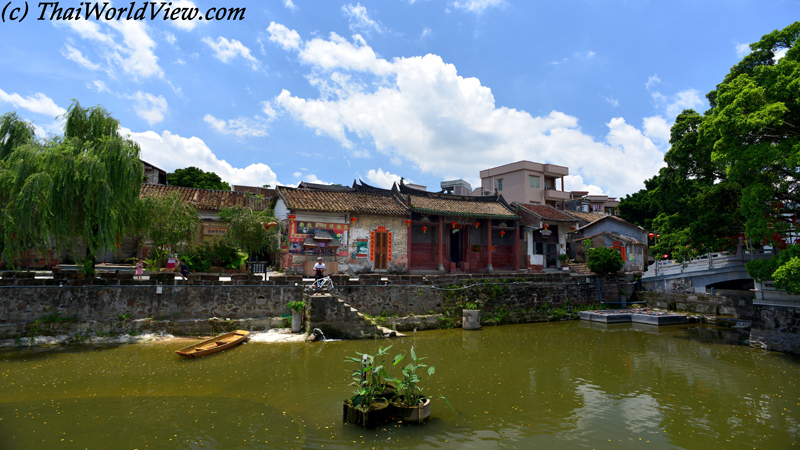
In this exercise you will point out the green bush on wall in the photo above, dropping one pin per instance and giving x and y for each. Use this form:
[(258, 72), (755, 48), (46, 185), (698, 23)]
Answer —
[(604, 261)]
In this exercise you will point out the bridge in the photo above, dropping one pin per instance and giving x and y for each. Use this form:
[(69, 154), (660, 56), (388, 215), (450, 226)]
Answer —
[(723, 271)]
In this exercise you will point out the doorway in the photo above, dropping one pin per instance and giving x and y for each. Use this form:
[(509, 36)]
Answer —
[(456, 250)]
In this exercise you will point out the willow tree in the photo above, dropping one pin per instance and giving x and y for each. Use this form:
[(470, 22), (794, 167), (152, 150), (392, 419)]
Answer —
[(168, 222), (246, 229), (79, 189)]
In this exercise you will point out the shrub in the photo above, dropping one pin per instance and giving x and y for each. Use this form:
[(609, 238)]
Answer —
[(604, 261), (787, 276), (764, 269)]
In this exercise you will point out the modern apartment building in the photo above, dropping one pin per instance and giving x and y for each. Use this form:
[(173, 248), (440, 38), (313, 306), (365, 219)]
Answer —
[(527, 182)]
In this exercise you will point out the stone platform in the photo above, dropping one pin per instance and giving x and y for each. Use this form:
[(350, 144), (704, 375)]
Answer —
[(633, 315)]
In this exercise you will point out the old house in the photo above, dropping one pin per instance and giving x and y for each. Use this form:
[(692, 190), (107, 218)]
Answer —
[(612, 232), (209, 203), (460, 233), (546, 232), (354, 229)]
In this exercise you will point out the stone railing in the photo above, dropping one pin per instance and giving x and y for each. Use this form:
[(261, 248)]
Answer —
[(710, 261)]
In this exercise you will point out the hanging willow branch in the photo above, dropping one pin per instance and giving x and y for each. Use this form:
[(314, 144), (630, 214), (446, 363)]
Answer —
[(83, 188)]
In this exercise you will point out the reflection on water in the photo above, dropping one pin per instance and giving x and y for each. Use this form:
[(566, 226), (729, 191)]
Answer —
[(551, 385)]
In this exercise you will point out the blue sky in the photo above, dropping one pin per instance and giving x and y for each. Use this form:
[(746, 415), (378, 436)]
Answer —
[(432, 90)]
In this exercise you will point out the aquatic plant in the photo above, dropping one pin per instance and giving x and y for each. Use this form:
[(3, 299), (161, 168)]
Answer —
[(410, 393), (369, 378)]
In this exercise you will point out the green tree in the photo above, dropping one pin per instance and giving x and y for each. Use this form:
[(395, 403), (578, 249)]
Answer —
[(246, 229), (168, 222), (604, 261), (196, 178), (756, 117), (79, 189)]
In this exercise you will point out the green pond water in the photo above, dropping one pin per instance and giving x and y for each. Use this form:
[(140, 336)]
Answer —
[(565, 385)]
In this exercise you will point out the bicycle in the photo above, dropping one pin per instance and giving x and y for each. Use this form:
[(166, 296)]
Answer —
[(324, 284)]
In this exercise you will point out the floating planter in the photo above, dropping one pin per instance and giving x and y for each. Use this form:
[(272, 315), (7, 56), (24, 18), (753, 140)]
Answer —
[(375, 401)]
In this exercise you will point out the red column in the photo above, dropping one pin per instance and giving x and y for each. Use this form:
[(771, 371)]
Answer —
[(408, 245), (441, 261), (489, 231), (516, 246)]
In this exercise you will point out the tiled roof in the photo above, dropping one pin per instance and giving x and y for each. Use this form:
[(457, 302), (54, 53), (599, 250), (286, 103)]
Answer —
[(546, 212), (255, 190), (460, 206), (610, 217), (341, 201), (586, 216), (205, 198), (614, 236), (323, 187)]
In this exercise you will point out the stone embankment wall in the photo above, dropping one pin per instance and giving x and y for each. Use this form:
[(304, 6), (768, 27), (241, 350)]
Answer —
[(718, 305), (118, 301), (771, 327)]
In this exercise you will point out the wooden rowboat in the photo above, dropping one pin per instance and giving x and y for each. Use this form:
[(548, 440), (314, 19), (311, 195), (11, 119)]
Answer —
[(215, 344)]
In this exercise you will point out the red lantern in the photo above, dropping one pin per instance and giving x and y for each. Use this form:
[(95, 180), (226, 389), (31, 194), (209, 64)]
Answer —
[(572, 228), (353, 219), (408, 222), (453, 224), (269, 225), (651, 235), (665, 256), (545, 226), (477, 224), (292, 217), (502, 233), (424, 229)]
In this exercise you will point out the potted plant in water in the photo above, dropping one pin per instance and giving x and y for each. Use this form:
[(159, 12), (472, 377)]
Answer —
[(471, 316), (367, 406), (410, 405), (297, 315)]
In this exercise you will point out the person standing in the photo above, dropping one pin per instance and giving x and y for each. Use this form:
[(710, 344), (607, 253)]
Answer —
[(139, 269), (319, 269), (171, 263)]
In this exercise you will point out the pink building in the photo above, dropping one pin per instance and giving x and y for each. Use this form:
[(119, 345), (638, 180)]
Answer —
[(527, 182)]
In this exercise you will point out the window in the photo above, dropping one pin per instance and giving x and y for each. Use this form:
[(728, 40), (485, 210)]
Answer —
[(500, 185), (534, 181)]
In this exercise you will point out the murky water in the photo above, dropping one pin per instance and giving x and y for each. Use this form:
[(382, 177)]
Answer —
[(559, 385)]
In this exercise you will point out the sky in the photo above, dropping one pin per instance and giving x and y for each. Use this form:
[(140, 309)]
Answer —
[(429, 90)]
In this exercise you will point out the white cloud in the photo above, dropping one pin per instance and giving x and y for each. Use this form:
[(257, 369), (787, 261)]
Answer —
[(180, 61), (74, 54), (289, 5), (425, 33), (311, 178), (780, 54), (98, 85), (169, 37), (338, 53), (421, 110), (359, 19), (688, 99), (225, 50), (297, 174), (742, 50), (612, 101), (149, 107), (288, 39), (477, 6), (267, 108), (130, 49), (38, 103), (652, 81), (382, 179), (241, 127), (575, 183), (657, 128), (185, 24), (171, 151)]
